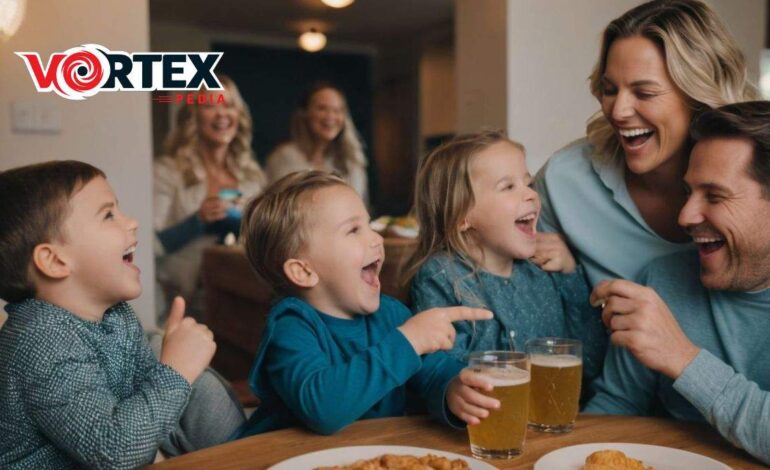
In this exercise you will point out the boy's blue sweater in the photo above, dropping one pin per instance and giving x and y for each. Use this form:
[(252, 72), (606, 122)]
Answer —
[(326, 372)]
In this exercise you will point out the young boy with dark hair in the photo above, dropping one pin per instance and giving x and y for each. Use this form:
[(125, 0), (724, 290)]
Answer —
[(79, 385)]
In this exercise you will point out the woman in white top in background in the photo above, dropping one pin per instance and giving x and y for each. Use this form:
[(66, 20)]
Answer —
[(207, 172), (323, 137)]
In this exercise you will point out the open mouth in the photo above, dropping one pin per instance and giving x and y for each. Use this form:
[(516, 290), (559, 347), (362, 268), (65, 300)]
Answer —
[(527, 223), (370, 273), (637, 137), (128, 255), (330, 126), (708, 245), (222, 124)]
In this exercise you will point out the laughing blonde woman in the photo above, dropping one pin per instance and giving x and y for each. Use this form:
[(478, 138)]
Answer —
[(615, 195), (207, 172)]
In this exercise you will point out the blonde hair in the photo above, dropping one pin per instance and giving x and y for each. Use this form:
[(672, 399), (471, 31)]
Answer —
[(346, 150), (273, 224), (701, 57), (182, 144), (443, 196)]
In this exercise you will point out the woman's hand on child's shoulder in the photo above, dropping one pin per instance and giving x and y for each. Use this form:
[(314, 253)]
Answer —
[(432, 330), (552, 254), (465, 399)]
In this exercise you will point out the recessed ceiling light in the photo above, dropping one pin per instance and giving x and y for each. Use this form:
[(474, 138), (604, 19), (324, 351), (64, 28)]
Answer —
[(338, 3), (11, 15), (312, 41)]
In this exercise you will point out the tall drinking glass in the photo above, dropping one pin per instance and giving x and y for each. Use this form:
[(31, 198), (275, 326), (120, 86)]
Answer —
[(501, 434), (557, 369)]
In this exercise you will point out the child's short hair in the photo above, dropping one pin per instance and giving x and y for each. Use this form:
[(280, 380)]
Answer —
[(35, 202), (443, 195), (273, 224)]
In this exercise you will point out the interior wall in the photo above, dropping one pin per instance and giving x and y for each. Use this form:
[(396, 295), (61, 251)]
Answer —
[(438, 86), (552, 47), (396, 121), (109, 130), (480, 45)]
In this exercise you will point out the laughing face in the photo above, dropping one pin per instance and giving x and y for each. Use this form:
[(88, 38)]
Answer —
[(344, 252), (649, 113), (99, 245), (326, 114), (218, 123), (504, 215), (727, 216)]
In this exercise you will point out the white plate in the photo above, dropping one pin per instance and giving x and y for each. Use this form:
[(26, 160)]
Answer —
[(348, 455), (661, 458)]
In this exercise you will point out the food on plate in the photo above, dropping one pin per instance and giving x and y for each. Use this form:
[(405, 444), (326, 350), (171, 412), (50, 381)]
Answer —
[(381, 223), (405, 222), (613, 460), (405, 226), (404, 462)]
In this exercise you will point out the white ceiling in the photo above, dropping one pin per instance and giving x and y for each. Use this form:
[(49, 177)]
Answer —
[(367, 21)]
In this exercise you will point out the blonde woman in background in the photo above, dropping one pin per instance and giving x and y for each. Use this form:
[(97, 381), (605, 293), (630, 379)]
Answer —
[(615, 196), (323, 137), (207, 172)]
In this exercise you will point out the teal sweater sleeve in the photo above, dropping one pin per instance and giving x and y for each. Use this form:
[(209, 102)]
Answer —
[(734, 405), (431, 384), (583, 321), (327, 397), (625, 387), (175, 237)]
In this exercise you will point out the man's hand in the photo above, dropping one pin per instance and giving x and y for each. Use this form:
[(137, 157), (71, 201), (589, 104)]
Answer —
[(642, 323), (552, 253), (188, 346), (465, 400), (432, 329)]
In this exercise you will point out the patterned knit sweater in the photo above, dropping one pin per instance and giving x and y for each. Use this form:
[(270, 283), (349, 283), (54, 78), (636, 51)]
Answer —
[(75, 393)]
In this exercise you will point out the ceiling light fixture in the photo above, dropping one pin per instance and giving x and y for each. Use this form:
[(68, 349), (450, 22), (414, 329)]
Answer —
[(312, 41), (11, 14), (338, 3)]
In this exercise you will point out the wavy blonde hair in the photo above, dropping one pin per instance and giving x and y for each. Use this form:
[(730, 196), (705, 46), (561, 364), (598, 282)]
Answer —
[(346, 150), (443, 196), (183, 143), (701, 57)]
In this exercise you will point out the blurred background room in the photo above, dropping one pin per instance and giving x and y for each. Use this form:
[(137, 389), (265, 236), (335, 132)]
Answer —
[(412, 73)]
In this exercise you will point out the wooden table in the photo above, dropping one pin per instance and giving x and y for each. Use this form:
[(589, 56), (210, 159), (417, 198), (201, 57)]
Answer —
[(262, 451)]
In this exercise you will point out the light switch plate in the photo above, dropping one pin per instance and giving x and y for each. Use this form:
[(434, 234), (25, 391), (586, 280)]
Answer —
[(35, 117)]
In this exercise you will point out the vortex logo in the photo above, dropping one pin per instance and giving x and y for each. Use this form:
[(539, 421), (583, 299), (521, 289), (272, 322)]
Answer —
[(81, 72)]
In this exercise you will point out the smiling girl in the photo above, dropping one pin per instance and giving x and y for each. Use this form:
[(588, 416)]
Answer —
[(477, 214)]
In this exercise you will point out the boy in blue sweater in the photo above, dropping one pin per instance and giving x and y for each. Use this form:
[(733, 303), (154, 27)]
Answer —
[(79, 385), (334, 350)]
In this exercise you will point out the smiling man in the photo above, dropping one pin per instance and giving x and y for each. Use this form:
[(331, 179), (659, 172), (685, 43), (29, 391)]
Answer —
[(692, 344)]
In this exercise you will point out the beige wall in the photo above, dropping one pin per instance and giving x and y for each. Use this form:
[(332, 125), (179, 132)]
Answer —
[(552, 47), (480, 55), (548, 67), (438, 87), (109, 130)]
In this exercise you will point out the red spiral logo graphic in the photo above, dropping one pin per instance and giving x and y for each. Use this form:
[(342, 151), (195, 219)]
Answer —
[(82, 71)]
